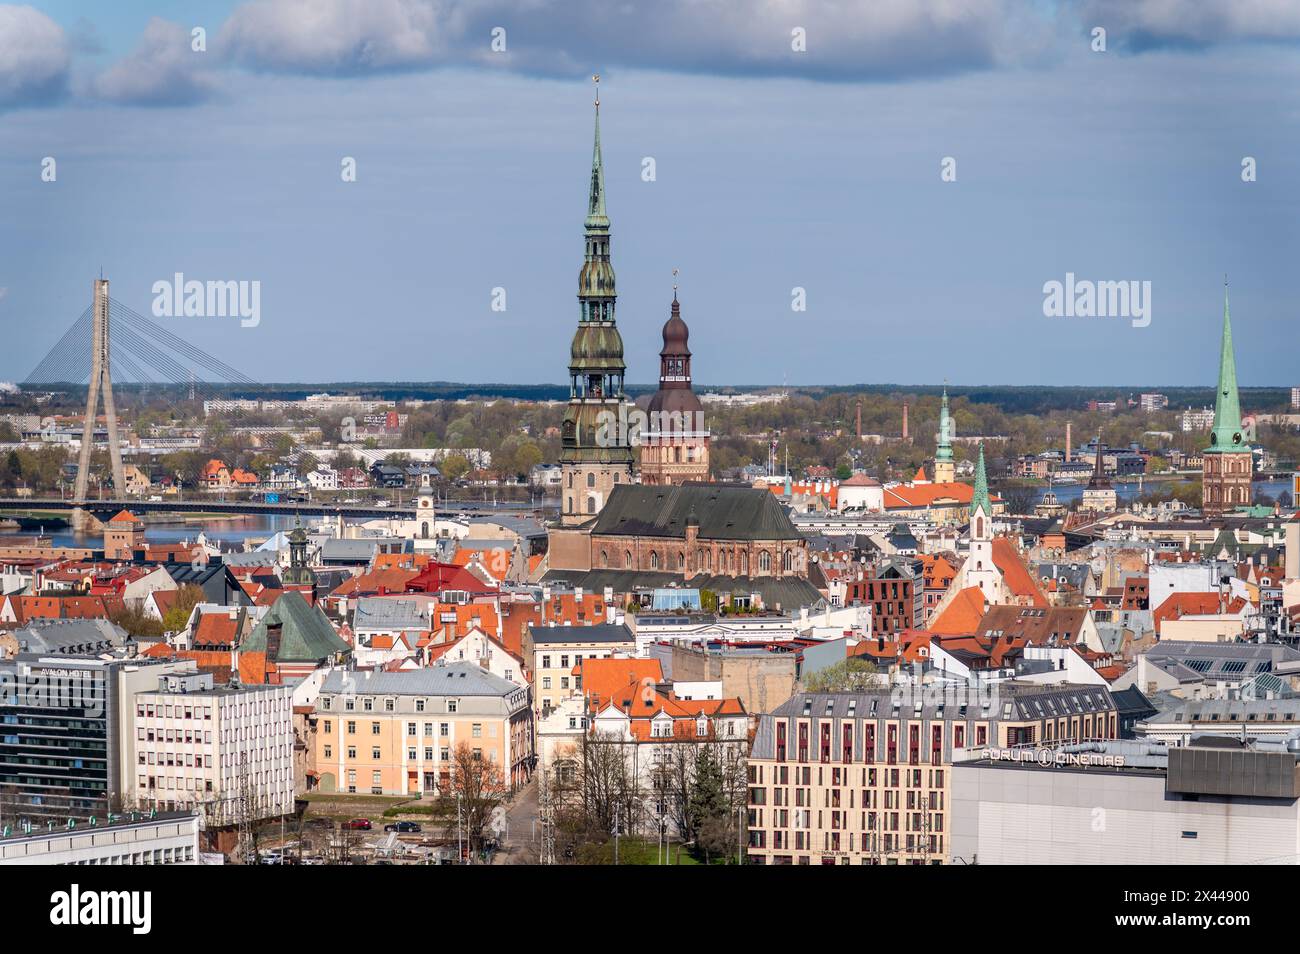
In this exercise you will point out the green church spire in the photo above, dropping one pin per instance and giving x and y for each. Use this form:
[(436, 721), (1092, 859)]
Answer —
[(981, 496), (1226, 435), (944, 450), (591, 432), (596, 217)]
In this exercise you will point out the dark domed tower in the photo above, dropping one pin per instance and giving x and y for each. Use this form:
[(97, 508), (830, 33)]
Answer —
[(595, 444), (675, 441)]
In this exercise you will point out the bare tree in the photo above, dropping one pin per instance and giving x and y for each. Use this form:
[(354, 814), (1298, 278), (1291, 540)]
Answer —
[(480, 786), (611, 796)]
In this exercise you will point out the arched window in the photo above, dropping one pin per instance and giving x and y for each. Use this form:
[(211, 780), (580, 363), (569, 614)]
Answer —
[(627, 559), (591, 504), (787, 561), (979, 526), (604, 558), (424, 529), (591, 479), (744, 564), (765, 562), (681, 560), (654, 561)]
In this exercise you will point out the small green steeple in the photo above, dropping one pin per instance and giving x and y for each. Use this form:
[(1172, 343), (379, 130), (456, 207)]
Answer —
[(981, 497), (1226, 435), (944, 449)]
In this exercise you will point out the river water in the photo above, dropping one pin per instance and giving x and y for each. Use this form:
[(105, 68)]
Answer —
[(231, 532)]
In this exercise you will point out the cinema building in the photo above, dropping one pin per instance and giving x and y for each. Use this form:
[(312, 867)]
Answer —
[(866, 777), (1215, 801)]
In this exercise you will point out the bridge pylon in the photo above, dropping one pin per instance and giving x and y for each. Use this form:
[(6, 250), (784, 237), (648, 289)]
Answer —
[(101, 383)]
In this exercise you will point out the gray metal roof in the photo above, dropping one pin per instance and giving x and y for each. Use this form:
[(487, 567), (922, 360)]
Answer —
[(453, 679), (69, 636), (724, 512), (1231, 711), (599, 633), (385, 612)]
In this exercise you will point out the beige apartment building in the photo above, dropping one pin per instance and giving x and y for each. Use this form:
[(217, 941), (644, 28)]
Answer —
[(865, 777), (396, 733), (554, 651)]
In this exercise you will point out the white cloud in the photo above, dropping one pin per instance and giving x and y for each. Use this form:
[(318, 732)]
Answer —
[(34, 58), (162, 70), (336, 36), (846, 39), (1146, 24)]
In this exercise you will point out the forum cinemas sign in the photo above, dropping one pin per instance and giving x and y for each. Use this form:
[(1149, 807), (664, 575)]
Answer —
[(1053, 758)]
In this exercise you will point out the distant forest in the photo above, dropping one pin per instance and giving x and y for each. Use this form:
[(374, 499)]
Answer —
[(1011, 399)]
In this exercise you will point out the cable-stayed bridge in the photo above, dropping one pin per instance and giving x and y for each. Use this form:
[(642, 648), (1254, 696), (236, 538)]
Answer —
[(112, 341), (141, 351)]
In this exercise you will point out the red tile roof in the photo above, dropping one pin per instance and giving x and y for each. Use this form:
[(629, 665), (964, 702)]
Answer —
[(962, 615)]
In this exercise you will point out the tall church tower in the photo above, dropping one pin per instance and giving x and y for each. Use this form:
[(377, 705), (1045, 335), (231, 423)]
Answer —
[(1228, 462), (1099, 495), (596, 448), (945, 470), (981, 571), (675, 444)]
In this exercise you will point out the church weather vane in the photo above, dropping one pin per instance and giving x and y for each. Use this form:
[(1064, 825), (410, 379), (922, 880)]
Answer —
[(595, 78), (674, 284)]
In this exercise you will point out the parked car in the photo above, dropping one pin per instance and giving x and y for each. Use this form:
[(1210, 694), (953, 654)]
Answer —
[(405, 827), (359, 824)]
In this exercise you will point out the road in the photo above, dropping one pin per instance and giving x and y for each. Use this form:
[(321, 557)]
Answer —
[(523, 844)]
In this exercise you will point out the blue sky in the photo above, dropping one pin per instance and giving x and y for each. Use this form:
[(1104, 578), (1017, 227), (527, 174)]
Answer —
[(774, 170)]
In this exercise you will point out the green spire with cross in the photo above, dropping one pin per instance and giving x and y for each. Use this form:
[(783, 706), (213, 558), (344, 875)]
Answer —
[(1226, 435), (596, 217), (981, 496)]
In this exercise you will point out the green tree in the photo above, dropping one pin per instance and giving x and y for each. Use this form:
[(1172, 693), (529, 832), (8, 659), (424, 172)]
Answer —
[(454, 466), (187, 597), (710, 806), (853, 674)]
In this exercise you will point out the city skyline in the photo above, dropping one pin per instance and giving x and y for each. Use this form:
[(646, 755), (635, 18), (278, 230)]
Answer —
[(470, 174)]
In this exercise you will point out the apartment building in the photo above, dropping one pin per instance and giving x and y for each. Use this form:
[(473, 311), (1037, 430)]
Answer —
[(895, 591), (396, 733), (223, 750), (864, 777), (554, 651)]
